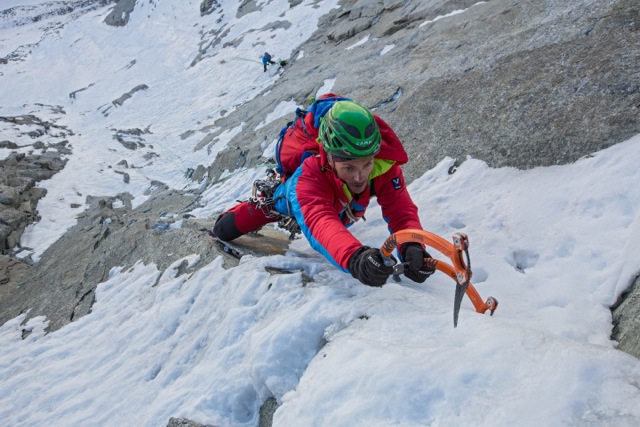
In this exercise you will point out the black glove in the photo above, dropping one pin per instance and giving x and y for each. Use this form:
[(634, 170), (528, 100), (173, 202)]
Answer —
[(367, 266), (416, 269)]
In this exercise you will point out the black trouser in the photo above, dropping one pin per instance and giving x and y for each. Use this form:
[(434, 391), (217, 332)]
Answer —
[(265, 65)]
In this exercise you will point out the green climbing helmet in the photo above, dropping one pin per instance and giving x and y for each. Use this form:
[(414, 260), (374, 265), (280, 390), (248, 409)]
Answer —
[(349, 131)]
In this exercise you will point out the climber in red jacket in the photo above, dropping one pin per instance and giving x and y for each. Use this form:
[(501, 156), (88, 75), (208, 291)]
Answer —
[(359, 157)]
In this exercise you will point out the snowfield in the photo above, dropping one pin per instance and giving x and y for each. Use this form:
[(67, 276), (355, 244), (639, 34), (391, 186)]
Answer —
[(556, 246)]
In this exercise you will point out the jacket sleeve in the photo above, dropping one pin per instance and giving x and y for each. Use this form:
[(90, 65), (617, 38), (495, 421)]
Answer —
[(312, 202), (398, 208)]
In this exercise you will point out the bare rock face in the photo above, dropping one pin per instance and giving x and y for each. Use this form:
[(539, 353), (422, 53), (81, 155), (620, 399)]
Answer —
[(626, 322), (107, 234), (11, 270), (520, 84), (19, 174), (18, 195), (208, 6), (119, 16), (182, 422)]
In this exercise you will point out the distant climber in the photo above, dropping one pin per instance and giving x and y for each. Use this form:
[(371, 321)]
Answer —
[(266, 59)]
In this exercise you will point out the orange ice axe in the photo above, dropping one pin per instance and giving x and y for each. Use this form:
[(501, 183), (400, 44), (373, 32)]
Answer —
[(459, 269)]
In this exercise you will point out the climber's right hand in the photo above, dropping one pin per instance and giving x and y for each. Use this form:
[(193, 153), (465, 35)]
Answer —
[(367, 266)]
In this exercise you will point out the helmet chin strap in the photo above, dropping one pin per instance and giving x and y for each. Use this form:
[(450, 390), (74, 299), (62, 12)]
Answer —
[(335, 172), (332, 163)]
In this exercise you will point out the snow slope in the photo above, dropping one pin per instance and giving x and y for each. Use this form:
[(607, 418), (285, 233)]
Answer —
[(556, 246)]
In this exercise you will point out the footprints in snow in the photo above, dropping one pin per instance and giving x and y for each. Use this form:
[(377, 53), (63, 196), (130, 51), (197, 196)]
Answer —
[(522, 259), (519, 259)]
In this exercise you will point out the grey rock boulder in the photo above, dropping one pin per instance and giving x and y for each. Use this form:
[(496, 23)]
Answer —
[(119, 15), (626, 321)]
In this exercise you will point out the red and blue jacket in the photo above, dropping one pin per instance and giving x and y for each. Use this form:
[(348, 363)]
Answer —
[(324, 207)]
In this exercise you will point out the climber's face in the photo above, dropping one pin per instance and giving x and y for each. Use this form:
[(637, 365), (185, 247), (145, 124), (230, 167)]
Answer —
[(355, 173)]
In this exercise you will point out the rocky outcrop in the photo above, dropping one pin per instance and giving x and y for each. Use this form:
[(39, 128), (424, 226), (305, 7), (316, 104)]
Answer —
[(119, 101), (626, 322), (111, 234), (11, 270), (267, 410), (119, 16), (208, 6), (182, 422), (20, 171), (108, 234), (131, 138), (18, 195), (18, 208)]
